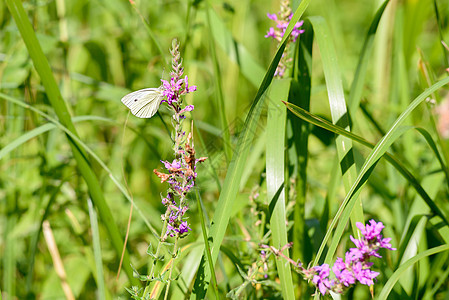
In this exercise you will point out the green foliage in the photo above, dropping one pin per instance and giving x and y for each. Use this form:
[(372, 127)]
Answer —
[(70, 153)]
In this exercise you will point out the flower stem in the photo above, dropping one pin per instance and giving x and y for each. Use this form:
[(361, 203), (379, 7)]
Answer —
[(174, 256)]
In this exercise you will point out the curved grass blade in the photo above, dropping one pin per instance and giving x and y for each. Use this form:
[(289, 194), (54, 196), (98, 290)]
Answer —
[(275, 172), (400, 271), (338, 109), (40, 130), (43, 69), (233, 177), (206, 245), (434, 148), (317, 121), (440, 31), (24, 138)]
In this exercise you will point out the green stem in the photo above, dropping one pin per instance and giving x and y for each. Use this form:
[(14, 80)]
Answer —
[(175, 250)]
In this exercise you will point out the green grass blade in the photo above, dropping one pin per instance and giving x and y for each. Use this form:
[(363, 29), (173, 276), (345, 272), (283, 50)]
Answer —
[(206, 245), (434, 148), (315, 120), (43, 69), (298, 141), (219, 90), (40, 130), (355, 93), (339, 113), (24, 138), (440, 23), (275, 170), (400, 271), (233, 177), (97, 250)]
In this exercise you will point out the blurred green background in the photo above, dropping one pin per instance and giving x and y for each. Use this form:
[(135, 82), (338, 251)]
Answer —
[(101, 50)]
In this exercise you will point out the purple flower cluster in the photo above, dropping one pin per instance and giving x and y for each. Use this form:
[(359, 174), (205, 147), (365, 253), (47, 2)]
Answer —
[(181, 173), (174, 89), (177, 86), (181, 177), (356, 266), (282, 19), (281, 25)]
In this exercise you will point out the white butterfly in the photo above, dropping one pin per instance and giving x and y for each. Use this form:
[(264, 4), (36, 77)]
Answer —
[(143, 103)]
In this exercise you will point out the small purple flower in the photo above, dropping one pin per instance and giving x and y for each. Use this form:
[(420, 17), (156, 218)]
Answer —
[(321, 279), (271, 33), (188, 88), (281, 25), (341, 272), (364, 275), (272, 17), (354, 254), (171, 166), (183, 228), (385, 243), (187, 108), (372, 231)]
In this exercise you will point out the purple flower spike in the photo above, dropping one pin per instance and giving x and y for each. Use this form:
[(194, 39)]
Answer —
[(277, 32), (356, 267)]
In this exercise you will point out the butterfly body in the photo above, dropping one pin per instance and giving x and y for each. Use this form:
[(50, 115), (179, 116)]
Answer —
[(143, 103)]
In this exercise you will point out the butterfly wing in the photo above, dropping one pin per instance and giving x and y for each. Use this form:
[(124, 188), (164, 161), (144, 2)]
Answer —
[(143, 103)]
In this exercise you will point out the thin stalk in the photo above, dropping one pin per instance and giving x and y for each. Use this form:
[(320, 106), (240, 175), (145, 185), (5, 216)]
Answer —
[(174, 255)]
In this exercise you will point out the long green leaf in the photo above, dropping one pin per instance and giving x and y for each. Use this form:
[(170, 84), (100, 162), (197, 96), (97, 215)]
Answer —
[(400, 271), (339, 113), (275, 164), (298, 140), (377, 152)]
